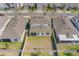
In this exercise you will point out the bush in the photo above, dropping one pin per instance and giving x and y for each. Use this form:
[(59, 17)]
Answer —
[(68, 53)]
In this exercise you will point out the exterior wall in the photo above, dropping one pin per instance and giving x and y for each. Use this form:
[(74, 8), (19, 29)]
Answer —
[(39, 25), (64, 38), (44, 34), (11, 39), (41, 34)]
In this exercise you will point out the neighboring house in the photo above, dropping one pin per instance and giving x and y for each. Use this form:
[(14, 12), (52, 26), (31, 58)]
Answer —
[(14, 5), (3, 6), (65, 30), (75, 21), (26, 5), (11, 5), (57, 5), (14, 30), (71, 5), (40, 26), (19, 5)]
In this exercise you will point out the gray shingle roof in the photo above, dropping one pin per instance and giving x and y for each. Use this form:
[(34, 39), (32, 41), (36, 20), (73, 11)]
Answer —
[(15, 28)]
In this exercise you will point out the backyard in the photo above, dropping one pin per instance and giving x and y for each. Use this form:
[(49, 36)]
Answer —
[(68, 49), (9, 48), (38, 46)]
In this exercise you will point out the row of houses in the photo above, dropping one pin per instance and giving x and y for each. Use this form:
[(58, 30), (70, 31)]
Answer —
[(39, 5), (4, 6), (12, 28), (40, 25)]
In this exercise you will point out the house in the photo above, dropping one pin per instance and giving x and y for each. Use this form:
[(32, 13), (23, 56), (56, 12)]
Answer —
[(65, 30), (26, 5), (11, 5), (3, 6), (40, 26), (14, 30), (19, 5)]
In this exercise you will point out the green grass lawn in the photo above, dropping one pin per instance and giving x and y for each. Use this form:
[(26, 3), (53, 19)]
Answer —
[(66, 54), (40, 43), (9, 48), (38, 54), (75, 11), (69, 47), (11, 45), (65, 47)]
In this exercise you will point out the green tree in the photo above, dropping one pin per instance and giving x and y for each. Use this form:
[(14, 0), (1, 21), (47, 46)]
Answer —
[(49, 7), (32, 8), (75, 8), (28, 26), (35, 6)]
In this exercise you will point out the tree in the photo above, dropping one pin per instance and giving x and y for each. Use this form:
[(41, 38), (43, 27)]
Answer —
[(28, 26), (35, 6), (32, 8), (62, 7), (49, 7), (54, 7), (75, 8)]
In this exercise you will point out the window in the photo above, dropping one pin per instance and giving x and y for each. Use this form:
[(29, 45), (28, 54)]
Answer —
[(0, 40), (47, 33), (1, 14), (33, 34), (48, 24), (6, 40), (15, 39), (42, 33), (38, 33)]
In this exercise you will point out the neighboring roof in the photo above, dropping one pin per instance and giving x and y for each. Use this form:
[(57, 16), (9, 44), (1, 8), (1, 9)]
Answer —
[(15, 28), (3, 19), (40, 29), (64, 26)]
